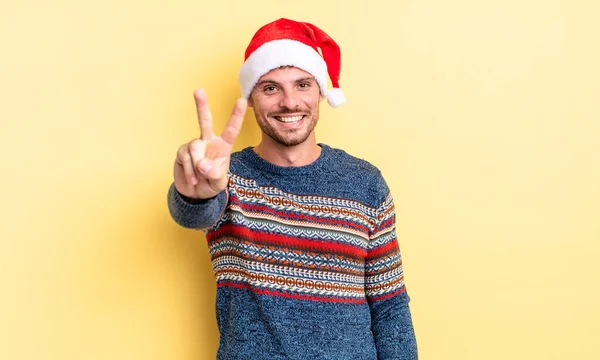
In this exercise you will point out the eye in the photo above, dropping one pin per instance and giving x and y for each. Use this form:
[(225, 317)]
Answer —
[(304, 85), (269, 89)]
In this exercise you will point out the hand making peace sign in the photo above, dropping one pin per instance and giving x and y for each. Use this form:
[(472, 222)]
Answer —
[(202, 165)]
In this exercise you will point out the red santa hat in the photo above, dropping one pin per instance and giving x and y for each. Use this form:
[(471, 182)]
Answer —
[(286, 42)]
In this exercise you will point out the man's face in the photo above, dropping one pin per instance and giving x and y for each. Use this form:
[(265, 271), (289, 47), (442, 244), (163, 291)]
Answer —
[(286, 105)]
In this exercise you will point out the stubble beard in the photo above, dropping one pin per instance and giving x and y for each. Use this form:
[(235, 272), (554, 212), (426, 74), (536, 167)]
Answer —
[(283, 138)]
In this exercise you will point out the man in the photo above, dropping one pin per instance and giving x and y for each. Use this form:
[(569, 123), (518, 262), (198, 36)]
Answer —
[(301, 235)]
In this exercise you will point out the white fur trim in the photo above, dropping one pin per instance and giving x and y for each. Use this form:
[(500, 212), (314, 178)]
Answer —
[(335, 97), (276, 53)]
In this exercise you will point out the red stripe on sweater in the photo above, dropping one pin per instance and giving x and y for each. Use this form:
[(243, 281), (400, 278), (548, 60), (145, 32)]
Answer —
[(389, 222), (382, 250), (237, 231)]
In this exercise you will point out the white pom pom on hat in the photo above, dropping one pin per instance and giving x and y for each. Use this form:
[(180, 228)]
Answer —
[(286, 42), (335, 97)]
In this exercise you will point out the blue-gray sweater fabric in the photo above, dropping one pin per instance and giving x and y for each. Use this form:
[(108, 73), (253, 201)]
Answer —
[(306, 260)]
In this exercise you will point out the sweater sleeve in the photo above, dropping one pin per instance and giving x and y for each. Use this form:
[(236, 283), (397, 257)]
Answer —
[(391, 320), (198, 215)]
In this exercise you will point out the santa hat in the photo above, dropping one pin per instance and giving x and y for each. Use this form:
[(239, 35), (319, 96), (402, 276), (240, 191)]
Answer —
[(286, 42)]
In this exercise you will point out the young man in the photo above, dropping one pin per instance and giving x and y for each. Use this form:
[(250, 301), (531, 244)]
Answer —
[(301, 235)]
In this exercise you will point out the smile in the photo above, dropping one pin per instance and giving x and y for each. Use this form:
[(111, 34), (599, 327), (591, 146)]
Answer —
[(289, 119)]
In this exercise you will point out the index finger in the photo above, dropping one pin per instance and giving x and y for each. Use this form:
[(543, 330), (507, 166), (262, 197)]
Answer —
[(204, 115), (234, 125)]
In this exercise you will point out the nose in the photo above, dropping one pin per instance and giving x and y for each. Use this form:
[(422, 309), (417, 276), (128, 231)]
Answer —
[(288, 99)]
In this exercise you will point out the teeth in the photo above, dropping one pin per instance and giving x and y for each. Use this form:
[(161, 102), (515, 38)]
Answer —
[(289, 119)]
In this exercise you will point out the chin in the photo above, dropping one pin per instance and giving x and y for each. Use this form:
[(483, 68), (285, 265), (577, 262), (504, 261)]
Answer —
[(291, 142)]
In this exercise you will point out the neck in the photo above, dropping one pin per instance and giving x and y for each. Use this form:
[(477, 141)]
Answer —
[(298, 155)]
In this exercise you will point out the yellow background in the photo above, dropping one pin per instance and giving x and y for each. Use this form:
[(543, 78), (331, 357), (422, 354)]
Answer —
[(482, 115)]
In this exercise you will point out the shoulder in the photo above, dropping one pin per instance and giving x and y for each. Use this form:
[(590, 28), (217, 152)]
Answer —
[(360, 174), (344, 161)]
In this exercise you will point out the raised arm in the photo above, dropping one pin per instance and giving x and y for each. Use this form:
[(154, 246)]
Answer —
[(197, 196)]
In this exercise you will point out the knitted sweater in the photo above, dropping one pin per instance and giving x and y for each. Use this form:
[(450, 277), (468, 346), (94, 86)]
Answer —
[(306, 260)]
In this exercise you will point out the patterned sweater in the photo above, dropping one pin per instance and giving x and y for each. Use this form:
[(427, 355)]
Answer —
[(306, 260)]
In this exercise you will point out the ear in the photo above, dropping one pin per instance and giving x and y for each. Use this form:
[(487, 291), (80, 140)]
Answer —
[(250, 102)]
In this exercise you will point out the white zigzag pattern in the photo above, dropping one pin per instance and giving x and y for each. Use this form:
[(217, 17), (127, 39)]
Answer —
[(382, 239), (385, 277), (307, 260), (258, 267), (304, 232), (383, 265)]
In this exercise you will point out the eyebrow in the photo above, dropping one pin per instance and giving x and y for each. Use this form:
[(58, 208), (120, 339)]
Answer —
[(308, 78), (264, 82)]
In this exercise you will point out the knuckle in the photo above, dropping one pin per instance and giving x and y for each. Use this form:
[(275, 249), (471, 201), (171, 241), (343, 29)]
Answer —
[(182, 151), (196, 149), (195, 145), (184, 157)]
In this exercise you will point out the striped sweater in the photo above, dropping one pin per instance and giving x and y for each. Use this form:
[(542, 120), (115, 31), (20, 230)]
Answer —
[(306, 260)]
